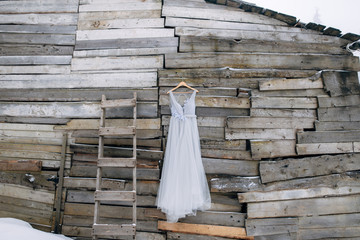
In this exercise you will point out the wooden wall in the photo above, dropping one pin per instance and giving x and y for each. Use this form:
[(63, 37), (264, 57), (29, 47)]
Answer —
[(278, 115)]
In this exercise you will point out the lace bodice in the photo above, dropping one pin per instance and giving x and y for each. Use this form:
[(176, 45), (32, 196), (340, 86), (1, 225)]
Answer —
[(181, 112)]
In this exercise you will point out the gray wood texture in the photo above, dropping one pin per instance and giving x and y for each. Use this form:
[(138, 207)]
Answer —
[(341, 83), (307, 167)]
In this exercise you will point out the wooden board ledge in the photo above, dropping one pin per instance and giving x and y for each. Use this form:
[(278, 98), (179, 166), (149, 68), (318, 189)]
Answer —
[(201, 229)]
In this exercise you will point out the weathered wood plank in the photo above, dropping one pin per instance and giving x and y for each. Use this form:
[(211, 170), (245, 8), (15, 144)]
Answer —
[(72, 95), (184, 236), (304, 207), (279, 61), (63, 29), (213, 112), (341, 83), (324, 148), (213, 24), (110, 15), (142, 187), (26, 214), (220, 102), (131, 43), (95, 123), (78, 209), (279, 102), (85, 233), (90, 171), (34, 60), (307, 167), (338, 221), (98, 7), (235, 184), (216, 218), (263, 122), (336, 126), (36, 180), (339, 114), (290, 93), (231, 167), (123, 79), (220, 14), (121, 23), (49, 69), (71, 110), (38, 6), (239, 145), (211, 230), (260, 133), (20, 165), (87, 221), (90, 35), (111, 63), (33, 49), (287, 84), (40, 19), (345, 233), (258, 35), (272, 148), (227, 154), (125, 52), (21, 192), (248, 184), (251, 83), (296, 194), (75, 196), (343, 101), (271, 226), (232, 73), (293, 113), (328, 136), (33, 38), (211, 44), (141, 134)]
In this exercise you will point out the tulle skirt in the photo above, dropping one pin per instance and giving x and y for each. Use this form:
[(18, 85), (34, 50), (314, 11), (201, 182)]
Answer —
[(183, 186)]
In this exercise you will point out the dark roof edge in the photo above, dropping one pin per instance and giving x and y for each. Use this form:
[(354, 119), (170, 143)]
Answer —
[(290, 20)]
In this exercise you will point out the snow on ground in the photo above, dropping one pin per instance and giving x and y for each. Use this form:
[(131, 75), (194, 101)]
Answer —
[(15, 229)]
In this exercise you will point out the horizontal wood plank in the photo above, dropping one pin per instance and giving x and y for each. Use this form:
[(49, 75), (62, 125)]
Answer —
[(339, 114), (113, 80), (283, 102), (304, 207), (288, 84), (307, 167), (328, 136), (211, 230), (279, 61), (272, 226), (260, 133), (274, 113), (272, 148), (324, 148), (268, 123), (112, 63), (21, 165), (230, 167), (90, 35)]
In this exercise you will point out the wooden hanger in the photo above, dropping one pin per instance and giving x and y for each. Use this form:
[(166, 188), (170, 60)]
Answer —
[(182, 84)]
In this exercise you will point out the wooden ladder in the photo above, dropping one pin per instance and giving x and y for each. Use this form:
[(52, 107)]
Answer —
[(104, 230)]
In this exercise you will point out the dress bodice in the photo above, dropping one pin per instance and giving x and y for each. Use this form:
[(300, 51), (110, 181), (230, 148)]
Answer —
[(179, 111)]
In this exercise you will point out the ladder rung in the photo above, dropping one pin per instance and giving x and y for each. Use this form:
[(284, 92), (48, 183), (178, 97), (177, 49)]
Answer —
[(113, 229), (116, 131), (118, 103), (127, 196), (117, 162)]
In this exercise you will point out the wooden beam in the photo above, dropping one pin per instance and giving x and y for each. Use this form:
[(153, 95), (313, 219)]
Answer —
[(272, 148), (341, 83), (271, 226), (210, 230), (283, 102), (288, 84), (324, 148)]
